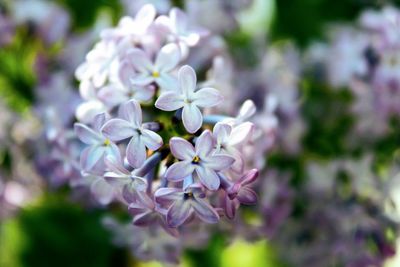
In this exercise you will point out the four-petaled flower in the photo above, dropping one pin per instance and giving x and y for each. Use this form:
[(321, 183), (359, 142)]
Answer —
[(199, 159), (129, 125), (185, 203), (180, 31), (132, 186), (160, 71), (228, 139), (100, 146), (189, 99)]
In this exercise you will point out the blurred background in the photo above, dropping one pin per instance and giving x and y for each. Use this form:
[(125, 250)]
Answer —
[(329, 189)]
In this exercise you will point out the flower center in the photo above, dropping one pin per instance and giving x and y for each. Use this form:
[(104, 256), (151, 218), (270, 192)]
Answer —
[(196, 160), (155, 74), (107, 142), (187, 195)]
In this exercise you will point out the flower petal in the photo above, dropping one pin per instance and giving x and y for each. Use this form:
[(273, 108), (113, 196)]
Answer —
[(221, 132), (181, 149), (146, 15), (150, 139), (144, 219), (118, 129), (192, 118), (167, 82), (208, 177), (230, 207), (112, 95), (247, 196), (219, 162), (204, 211), (178, 213), (169, 101), (98, 121), (86, 111), (90, 156), (141, 60), (249, 177), (141, 79), (168, 58), (187, 80), (241, 133), (131, 111), (136, 152), (166, 195), (143, 94), (207, 97), (87, 135), (116, 166), (102, 191), (204, 144), (179, 170)]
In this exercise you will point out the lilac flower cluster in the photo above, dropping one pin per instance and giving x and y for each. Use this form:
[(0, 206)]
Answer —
[(148, 142), (365, 60)]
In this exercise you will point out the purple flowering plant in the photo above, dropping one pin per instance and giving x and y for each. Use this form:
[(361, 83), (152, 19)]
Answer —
[(144, 126)]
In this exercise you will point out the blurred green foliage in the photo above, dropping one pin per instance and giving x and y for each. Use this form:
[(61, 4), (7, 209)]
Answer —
[(84, 13), (305, 20), (57, 233)]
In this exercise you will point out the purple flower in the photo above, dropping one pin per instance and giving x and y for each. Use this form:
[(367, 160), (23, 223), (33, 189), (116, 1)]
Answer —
[(145, 212), (189, 99), (239, 192), (229, 138), (99, 147), (118, 175), (159, 71), (177, 24), (134, 28), (130, 126), (92, 106), (199, 159), (101, 64), (186, 203)]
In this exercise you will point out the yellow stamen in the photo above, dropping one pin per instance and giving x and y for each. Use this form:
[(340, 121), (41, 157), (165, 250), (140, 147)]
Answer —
[(196, 159), (107, 142), (155, 74)]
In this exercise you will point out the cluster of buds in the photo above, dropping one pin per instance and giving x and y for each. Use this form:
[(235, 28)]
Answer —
[(152, 142)]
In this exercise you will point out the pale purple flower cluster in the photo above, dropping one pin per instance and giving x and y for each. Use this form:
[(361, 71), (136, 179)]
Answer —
[(366, 60), (148, 143)]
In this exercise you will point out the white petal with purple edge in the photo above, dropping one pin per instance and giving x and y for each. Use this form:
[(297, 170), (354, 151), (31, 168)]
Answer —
[(204, 211), (207, 97), (192, 118), (169, 101), (241, 133), (204, 144), (181, 148), (178, 213), (187, 80), (131, 111), (208, 177), (87, 135), (141, 61), (219, 162), (118, 129), (168, 58), (136, 152), (167, 82), (179, 170), (90, 156), (151, 140)]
